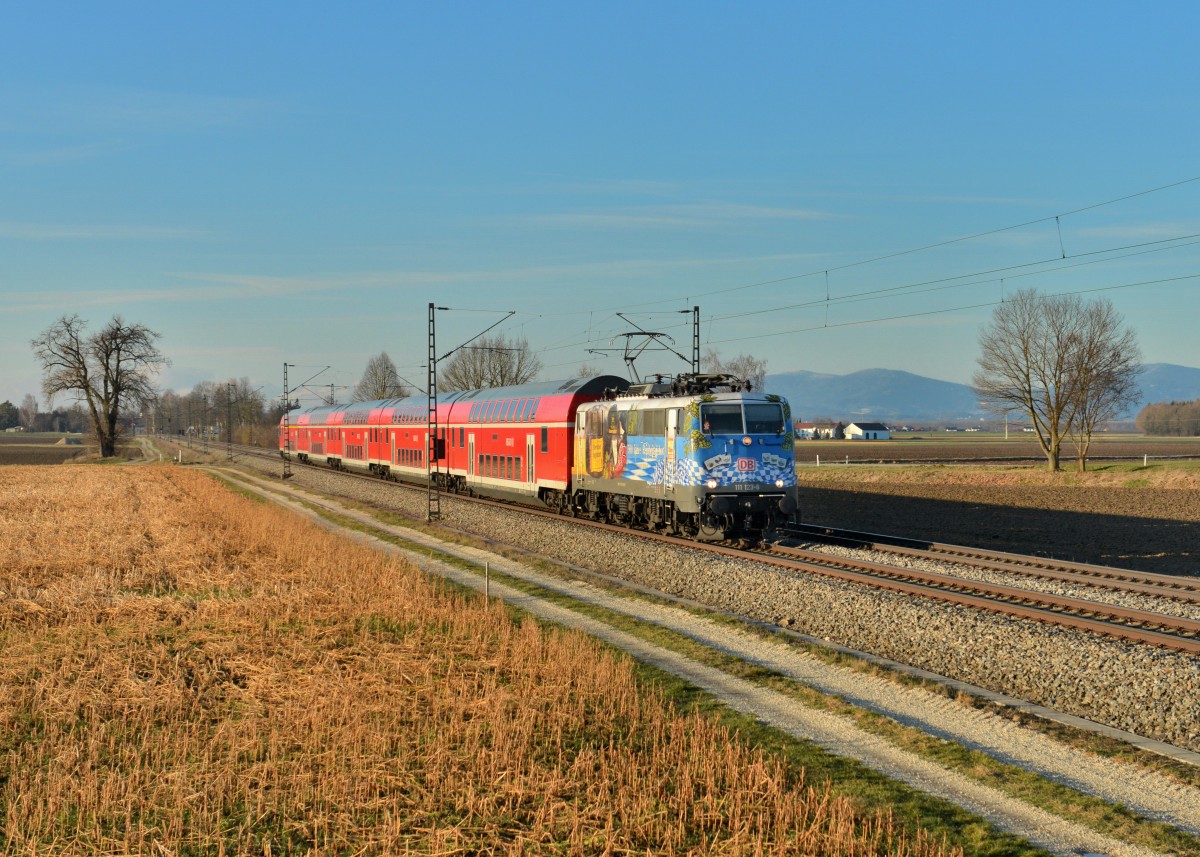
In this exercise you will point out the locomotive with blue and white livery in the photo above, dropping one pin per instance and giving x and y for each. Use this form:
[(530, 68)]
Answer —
[(699, 455)]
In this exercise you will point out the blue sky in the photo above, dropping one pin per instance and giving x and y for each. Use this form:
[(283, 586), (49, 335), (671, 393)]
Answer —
[(273, 182)]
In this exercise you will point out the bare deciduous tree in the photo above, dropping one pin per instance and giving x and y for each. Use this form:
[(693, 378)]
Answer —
[(28, 411), (490, 361), (1173, 419), (744, 366), (1065, 363), (110, 371), (1107, 363), (586, 370), (380, 380)]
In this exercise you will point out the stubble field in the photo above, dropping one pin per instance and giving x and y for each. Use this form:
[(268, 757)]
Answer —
[(185, 671)]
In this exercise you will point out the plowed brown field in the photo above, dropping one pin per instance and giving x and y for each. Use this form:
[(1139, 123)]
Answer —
[(1147, 519), (966, 447)]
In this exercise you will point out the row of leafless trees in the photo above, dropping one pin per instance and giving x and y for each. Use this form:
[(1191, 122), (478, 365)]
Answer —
[(1068, 364), (30, 418), (217, 410), (489, 361), (1171, 419)]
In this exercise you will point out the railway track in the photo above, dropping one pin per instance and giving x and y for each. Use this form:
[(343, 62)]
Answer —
[(1044, 568), (1133, 625)]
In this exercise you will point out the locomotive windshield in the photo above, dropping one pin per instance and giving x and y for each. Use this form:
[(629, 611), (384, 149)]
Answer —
[(764, 419), (727, 418)]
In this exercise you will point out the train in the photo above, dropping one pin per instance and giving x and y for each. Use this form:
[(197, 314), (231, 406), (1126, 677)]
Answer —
[(695, 455)]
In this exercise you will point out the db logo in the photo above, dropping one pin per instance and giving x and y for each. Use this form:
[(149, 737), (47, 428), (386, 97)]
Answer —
[(746, 465)]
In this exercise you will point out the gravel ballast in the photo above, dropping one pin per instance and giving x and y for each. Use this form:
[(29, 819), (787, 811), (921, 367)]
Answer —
[(1152, 693)]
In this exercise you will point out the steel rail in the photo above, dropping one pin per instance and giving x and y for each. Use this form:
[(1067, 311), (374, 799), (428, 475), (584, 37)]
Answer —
[(1045, 568), (1128, 624)]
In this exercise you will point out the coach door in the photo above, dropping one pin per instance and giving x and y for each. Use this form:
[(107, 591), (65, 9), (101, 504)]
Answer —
[(530, 446), (471, 454), (672, 431)]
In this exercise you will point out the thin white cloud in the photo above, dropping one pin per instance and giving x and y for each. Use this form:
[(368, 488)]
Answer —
[(231, 287), (1141, 231), (101, 110), (694, 215), (93, 231), (623, 187), (1023, 202), (56, 155)]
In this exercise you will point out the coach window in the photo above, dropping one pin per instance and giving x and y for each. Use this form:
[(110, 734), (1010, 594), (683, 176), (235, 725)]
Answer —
[(461, 435), (509, 406), (545, 439)]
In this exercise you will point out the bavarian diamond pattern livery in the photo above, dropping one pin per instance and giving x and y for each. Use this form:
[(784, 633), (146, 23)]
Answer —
[(651, 467)]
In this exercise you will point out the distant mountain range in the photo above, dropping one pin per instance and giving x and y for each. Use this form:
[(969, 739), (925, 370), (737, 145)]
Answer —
[(893, 396)]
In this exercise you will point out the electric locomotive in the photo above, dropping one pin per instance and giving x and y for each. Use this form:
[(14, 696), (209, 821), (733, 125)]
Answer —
[(701, 456)]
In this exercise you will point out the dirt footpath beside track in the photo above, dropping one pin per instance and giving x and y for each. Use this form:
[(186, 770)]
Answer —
[(1150, 523)]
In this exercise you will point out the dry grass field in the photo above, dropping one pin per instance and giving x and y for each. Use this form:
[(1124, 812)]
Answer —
[(184, 671)]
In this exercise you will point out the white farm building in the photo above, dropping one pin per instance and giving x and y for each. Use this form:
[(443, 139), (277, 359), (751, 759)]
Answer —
[(867, 431)]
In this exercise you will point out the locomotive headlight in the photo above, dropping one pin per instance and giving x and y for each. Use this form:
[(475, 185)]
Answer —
[(778, 483), (712, 483)]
